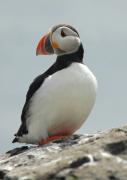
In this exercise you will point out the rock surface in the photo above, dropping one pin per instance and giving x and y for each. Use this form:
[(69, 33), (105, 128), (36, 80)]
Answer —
[(100, 156)]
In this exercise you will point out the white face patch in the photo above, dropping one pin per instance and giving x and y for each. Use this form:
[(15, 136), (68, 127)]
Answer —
[(67, 40)]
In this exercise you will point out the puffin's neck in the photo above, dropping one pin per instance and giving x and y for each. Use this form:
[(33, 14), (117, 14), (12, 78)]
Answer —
[(64, 61), (67, 59)]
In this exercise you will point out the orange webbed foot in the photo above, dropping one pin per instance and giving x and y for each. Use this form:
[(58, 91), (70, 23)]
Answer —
[(51, 138)]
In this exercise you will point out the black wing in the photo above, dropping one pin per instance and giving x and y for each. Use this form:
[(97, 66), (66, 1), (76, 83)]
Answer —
[(38, 81)]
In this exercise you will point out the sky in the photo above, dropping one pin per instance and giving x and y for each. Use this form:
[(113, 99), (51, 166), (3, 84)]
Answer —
[(102, 26)]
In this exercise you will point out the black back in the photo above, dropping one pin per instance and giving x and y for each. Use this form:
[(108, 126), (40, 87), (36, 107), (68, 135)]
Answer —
[(61, 63)]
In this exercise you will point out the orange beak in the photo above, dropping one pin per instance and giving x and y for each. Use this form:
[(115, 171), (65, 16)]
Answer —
[(44, 46)]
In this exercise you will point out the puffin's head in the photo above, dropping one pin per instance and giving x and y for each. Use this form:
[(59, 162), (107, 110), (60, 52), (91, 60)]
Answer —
[(61, 39)]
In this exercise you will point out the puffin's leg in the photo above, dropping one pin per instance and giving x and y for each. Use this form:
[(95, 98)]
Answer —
[(52, 138)]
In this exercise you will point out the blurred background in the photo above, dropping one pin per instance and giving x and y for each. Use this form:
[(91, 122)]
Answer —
[(102, 26)]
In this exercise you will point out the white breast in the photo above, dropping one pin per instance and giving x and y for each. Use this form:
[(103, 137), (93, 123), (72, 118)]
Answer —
[(64, 100)]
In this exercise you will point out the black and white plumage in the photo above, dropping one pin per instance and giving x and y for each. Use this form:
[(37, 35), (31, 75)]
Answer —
[(60, 100)]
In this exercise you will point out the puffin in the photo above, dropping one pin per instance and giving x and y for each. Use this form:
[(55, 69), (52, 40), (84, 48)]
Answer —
[(58, 101)]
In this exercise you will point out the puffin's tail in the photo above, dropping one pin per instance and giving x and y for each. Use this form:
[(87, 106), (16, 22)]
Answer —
[(16, 139), (22, 130)]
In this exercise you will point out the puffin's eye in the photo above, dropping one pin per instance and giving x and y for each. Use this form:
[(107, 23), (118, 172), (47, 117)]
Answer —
[(63, 33)]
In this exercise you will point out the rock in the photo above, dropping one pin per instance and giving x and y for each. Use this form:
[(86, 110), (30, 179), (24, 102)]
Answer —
[(100, 156)]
